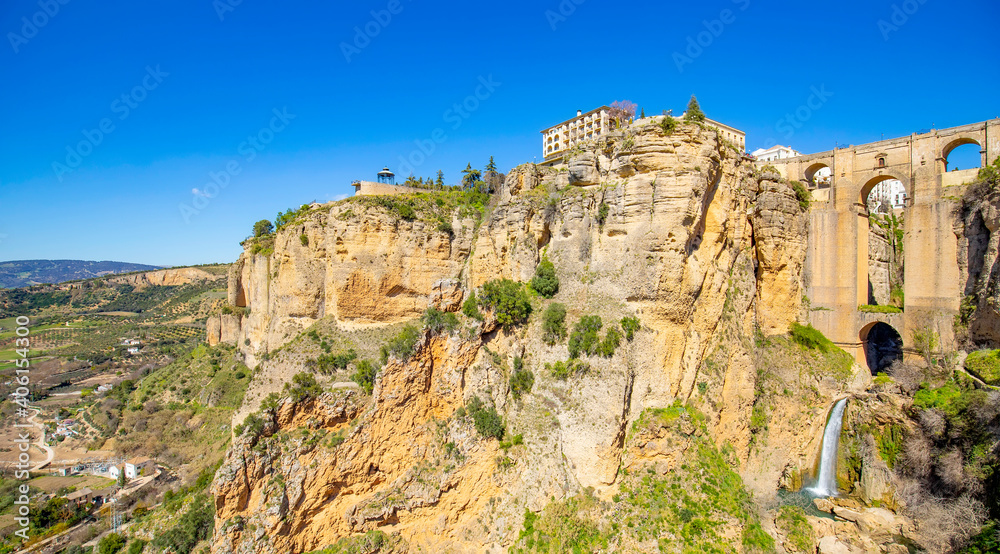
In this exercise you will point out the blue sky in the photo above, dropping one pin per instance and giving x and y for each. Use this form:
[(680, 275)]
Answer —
[(115, 113)]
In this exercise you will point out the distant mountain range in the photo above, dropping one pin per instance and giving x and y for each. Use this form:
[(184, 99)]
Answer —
[(23, 273)]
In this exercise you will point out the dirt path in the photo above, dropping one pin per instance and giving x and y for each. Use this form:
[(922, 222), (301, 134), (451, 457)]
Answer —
[(49, 453)]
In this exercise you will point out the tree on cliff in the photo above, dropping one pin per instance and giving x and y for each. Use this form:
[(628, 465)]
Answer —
[(470, 176), (694, 112), (622, 112), (440, 179), (492, 177), (263, 227)]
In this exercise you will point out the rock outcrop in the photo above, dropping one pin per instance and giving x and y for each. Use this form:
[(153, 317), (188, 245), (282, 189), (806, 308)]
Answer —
[(164, 277)]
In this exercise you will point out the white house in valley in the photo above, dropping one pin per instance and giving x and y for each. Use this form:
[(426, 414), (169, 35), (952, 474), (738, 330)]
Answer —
[(135, 467)]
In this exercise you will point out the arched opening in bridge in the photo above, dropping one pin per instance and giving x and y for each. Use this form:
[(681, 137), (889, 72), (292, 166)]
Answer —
[(880, 242), (963, 153), (819, 175), (883, 346)]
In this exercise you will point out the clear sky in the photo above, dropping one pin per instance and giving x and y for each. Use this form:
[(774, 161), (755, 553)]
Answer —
[(118, 116)]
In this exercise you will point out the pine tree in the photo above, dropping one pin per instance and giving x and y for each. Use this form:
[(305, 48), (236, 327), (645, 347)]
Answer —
[(694, 112), (491, 167), (440, 179), (642, 113), (470, 176)]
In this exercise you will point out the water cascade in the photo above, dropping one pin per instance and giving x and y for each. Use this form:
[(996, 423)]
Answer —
[(826, 479)]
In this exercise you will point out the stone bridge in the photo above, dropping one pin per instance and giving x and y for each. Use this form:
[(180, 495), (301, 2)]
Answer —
[(836, 274)]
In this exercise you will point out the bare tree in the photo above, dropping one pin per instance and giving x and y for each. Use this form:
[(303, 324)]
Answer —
[(932, 420), (622, 112)]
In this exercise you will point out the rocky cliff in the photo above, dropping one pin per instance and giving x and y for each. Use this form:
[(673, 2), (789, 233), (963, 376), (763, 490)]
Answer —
[(164, 277), (675, 228)]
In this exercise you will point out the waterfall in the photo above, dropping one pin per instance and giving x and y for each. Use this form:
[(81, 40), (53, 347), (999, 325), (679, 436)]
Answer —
[(826, 479)]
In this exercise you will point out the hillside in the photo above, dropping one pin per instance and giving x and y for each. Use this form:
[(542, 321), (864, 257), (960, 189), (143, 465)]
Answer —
[(24, 273), (116, 372)]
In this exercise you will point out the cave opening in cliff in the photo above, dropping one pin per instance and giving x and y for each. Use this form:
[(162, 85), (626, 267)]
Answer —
[(883, 346)]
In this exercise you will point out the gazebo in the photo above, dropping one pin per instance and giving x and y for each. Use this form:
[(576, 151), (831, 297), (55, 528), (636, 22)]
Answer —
[(386, 176)]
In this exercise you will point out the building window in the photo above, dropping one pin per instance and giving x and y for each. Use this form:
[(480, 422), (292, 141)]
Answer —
[(881, 161)]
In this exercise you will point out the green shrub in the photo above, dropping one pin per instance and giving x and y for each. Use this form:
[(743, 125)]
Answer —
[(303, 387), (810, 337), (364, 375), (612, 339), (631, 325), (304, 239), (488, 422), (882, 379), (436, 320), (801, 194), (327, 363), (521, 381), (402, 345), (136, 546), (371, 542), (252, 427), (194, 526), (602, 214), (563, 370), (444, 226), (470, 309), (584, 339), (990, 174), (507, 300), (668, 125), (890, 444), (987, 540), (896, 295), (110, 544), (554, 323), (271, 402), (545, 282), (985, 364)]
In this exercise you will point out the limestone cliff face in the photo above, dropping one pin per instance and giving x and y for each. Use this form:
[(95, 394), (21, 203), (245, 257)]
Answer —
[(165, 277), (976, 226), (353, 262), (392, 471), (677, 229)]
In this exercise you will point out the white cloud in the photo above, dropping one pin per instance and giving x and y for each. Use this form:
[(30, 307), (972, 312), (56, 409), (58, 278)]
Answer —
[(340, 197), (199, 192)]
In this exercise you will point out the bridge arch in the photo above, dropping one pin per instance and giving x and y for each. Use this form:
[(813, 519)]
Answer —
[(818, 175), (874, 181), (959, 142), (882, 344)]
